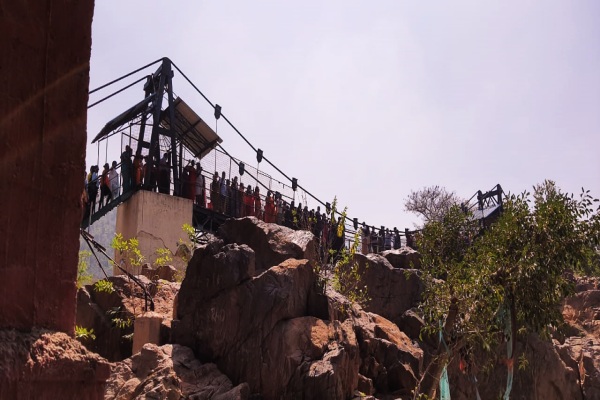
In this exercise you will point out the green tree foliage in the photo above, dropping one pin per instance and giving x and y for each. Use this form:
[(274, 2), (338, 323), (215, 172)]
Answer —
[(83, 275), (84, 334), (522, 263), (129, 251), (339, 269)]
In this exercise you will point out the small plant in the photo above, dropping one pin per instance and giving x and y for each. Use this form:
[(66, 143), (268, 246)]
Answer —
[(163, 256), (83, 276), (128, 250), (104, 285), (84, 334), (116, 314)]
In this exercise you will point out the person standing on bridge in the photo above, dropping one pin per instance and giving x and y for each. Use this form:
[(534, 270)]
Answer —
[(366, 238), (92, 187), (240, 201), (223, 193), (233, 198), (138, 166), (214, 193), (257, 203), (104, 187), (113, 177), (126, 169), (164, 174), (269, 208), (199, 189), (249, 201)]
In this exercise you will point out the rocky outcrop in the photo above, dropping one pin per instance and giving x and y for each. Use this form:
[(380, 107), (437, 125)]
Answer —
[(227, 317), (170, 372), (310, 358), (390, 361), (164, 272), (259, 330), (271, 243), (391, 291), (111, 314), (48, 365), (403, 258)]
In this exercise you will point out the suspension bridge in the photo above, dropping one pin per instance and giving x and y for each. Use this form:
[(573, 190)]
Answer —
[(166, 136)]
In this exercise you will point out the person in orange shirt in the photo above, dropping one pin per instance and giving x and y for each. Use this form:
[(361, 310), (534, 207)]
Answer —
[(257, 204), (137, 170), (270, 208)]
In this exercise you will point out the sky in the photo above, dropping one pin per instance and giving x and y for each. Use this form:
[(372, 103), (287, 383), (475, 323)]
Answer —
[(368, 101)]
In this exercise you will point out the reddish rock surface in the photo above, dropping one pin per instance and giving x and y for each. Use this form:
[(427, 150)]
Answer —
[(230, 326), (45, 365), (392, 291), (170, 372), (44, 79), (271, 243), (97, 311)]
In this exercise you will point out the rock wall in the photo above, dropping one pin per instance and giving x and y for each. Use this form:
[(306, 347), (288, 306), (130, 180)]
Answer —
[(44, 75), (45, 365)]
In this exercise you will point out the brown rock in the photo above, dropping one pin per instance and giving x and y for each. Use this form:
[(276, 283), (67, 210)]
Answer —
[(309, 358), (404, 258), (49, 365), (170, 372), (391, 291), (214, 269), (388, 357), (45, 76), (164, 272), (230, 328), (98, 310), (272, 243)]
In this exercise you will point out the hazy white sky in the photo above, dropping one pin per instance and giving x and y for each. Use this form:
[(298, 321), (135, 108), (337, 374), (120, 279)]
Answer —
[(367, 101)]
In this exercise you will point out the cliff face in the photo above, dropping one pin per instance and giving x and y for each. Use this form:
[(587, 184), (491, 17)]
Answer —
[(273, 333), (44, 78)]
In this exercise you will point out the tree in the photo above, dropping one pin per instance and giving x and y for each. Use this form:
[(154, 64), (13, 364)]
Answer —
[(431, 203), (510, 278)]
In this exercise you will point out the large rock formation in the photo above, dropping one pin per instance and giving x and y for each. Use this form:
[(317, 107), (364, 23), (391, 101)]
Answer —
[(46, 365), (262, 330), (272, 243), (227, 317), (170, 372), (392, 291)]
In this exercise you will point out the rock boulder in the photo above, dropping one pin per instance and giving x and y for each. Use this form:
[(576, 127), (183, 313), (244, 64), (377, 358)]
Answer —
[(230, 324), (403, 258), (392, 291), (170, 372), (48, 365), (272, 243)]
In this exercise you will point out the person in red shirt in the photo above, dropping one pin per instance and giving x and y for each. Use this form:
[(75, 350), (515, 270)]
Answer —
[(249, 201), (270, 208)]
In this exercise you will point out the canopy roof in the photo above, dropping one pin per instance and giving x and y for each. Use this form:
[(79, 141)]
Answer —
[(190, 129), (143, 107), (195, 135)]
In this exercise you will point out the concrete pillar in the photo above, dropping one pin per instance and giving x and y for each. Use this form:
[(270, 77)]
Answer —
[(156, 220), (146, 329)]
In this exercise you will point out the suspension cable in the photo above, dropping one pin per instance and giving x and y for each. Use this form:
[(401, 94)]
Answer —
[(124, 76), (118, 91)]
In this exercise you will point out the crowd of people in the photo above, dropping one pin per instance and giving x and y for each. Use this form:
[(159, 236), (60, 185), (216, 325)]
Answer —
[(226, 196)]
